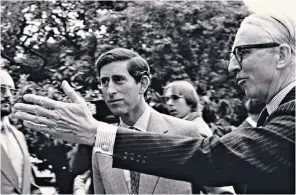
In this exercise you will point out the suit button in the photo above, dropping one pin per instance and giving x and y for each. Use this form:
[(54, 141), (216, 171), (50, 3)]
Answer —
[(144, 160), (105, 148), (132, 156), (124, 157)]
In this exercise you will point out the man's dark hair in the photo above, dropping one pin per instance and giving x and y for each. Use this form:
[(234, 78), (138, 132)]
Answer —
[(136, 65), (254, 106)]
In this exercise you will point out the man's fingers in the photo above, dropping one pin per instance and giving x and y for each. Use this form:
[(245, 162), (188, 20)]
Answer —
[(70, 92), (40, 128), (35, 119), (36, 110), (42, 101)]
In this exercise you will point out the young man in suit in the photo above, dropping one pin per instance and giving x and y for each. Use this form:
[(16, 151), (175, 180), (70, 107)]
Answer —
[(16, 175), (263, 59), (124, 77)]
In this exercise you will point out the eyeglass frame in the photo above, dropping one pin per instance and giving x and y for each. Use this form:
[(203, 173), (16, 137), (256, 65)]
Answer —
[(252, 46), (173, 97)]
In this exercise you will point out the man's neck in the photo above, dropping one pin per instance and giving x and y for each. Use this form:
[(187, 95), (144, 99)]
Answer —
[(284, 80), (132, 117)]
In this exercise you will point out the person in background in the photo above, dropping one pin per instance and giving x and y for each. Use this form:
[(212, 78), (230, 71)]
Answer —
[(16, 169), (183, 102)]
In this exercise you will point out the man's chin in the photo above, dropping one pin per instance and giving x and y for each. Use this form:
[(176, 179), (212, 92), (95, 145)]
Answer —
[(118, 112)]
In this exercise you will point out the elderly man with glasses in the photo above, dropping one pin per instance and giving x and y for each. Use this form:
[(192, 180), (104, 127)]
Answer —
[(262, 157)]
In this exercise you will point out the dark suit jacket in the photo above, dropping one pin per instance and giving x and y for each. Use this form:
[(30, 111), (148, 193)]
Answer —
[(262, 157)]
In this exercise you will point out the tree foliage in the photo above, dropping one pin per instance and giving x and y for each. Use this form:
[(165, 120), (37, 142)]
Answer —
[(46, 42)]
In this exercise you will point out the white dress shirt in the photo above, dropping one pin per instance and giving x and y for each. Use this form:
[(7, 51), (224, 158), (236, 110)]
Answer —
[(251, 122)]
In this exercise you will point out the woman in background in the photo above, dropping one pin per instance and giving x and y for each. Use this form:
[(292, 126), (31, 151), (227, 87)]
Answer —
[(182, 101)]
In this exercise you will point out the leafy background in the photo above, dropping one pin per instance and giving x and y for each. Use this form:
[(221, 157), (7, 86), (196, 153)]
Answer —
[(43, 43)]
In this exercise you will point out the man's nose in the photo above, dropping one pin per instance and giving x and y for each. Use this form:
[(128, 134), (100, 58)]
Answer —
[(111, 89), (169, 102), (234, 66), (7, 93), (8, 96)]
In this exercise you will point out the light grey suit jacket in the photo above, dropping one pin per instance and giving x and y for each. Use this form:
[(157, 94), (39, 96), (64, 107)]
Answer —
[(108, 180), (9, 179)]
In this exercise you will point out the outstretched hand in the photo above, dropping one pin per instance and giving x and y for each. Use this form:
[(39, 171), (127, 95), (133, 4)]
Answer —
[(72, 122)]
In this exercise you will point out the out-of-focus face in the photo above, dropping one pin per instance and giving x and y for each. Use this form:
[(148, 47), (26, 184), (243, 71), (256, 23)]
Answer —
[(176, 104), (119, 89), (256, 73), (7, 91)]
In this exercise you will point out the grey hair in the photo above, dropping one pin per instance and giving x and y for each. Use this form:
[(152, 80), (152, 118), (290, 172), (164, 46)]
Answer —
[(280, 27)]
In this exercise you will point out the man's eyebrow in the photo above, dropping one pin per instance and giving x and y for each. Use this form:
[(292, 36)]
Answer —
[(9, 86), (119, 76), (114, 75)]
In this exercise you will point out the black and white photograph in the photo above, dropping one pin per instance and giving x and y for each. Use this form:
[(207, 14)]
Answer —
[(148, 97)]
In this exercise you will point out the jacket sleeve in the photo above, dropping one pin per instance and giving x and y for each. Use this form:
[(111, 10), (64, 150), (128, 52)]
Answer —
[(248, 155)]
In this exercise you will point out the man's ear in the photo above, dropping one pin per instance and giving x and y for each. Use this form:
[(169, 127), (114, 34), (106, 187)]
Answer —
[(284, 56), (144, 84)]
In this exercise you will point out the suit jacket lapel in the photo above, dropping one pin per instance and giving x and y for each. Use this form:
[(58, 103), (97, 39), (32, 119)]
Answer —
[(26, 162), (115, 176), (8, 171), (156, 124)]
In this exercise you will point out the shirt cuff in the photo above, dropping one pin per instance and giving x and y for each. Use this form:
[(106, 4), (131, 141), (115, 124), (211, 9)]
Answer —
[(105, 139)]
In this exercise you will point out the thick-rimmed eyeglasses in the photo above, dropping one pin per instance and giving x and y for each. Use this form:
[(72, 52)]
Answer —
[(173, 97), (240, 50)]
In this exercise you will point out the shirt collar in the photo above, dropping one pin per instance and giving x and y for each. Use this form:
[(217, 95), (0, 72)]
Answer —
[(5, 124), (251, 122), (276, 100), (142, 122)]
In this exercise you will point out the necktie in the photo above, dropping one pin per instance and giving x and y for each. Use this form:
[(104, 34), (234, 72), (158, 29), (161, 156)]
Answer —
[(135, 178), (262, 118)]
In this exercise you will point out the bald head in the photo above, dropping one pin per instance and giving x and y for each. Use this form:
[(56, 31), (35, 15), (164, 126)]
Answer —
[(7, 91), (6, 79)]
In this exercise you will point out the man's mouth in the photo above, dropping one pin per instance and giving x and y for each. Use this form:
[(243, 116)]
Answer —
[(114, 101), (173, 112)]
